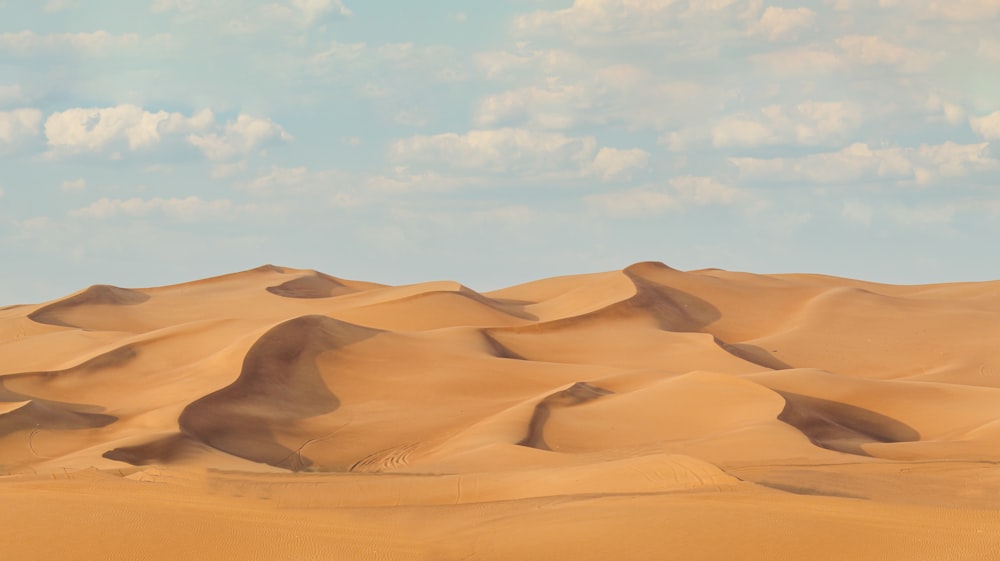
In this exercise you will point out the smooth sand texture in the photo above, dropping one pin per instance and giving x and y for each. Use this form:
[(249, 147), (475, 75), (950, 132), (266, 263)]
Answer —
[(647, 413)]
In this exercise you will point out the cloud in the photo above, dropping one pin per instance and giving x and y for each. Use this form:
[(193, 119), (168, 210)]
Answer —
[(799, 61), (679, 193), (701, 191), (239, 138), (25, 42), (307, 12), (18, 125), (612, 164), (616, 93), (630, 20), (73, 185), (96, 129), (808, 123), (519, 151), (987, 127), (779, 24), (633, 202), (160, 6), (187, 209), (873, 50), (330, 188), (53, 6), (957, 10), (922, 165), (953, 10), (497, 151)]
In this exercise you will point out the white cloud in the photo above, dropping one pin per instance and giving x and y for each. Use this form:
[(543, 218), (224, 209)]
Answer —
[(331, 188), (701, 190), (189, 208), (96, 129), (799, 61), (680, 192), (633, 202), (949, 112), (809, 123), (239, 138), (314, 9), (922, 165), (519, 151), (18, 125), (612, 94), (987, 127), (778, 23), (306, 12), (630, 20), (23, 42), (954, 10), (160, 6), (73, 185), (612, 164), (873, 50), (505, 150), (53, 6), (959, 10)]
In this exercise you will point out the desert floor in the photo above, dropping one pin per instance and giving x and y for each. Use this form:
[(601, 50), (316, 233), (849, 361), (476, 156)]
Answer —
[(648, 413)]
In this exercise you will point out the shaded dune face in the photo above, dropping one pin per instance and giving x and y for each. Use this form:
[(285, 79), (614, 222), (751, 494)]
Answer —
[(644, 413), (97, 295), (284, 368), (278, 385), (315, 285), (840, 426), (577, 394)]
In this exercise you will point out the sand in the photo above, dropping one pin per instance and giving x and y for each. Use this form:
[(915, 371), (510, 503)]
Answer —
[(647, 413)]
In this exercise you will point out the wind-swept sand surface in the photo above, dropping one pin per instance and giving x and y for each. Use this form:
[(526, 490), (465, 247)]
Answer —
[(647, 413)]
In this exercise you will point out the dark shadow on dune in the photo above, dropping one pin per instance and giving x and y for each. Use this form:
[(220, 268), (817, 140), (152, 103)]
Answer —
[(675, 310), (810, 491), (498, 349), (164, 450), (842, 427), (752, 353), (112, 359), (279, 384), (314, 285), (44, 414), (577, 394), (97, 295)]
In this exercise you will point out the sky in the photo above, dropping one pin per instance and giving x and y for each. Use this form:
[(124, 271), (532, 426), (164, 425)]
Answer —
[(149, 142)]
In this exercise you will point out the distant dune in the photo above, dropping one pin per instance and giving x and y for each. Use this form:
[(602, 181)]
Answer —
[(647, 413)]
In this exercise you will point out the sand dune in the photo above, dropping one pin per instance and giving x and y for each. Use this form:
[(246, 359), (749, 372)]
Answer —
[(647, 413)]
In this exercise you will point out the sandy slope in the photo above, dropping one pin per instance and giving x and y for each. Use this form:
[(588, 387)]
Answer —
[(647, 413)]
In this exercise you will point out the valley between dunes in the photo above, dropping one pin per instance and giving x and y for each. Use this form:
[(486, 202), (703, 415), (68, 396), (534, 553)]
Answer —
[(648, 413)]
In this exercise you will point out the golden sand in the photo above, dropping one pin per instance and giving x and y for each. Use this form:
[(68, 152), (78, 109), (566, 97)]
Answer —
[(649, 413)]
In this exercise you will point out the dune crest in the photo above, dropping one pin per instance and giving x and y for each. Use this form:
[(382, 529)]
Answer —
[(633, 414)]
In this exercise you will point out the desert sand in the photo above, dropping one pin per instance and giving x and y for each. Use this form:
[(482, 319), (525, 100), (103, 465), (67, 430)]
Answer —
[(648, 413)]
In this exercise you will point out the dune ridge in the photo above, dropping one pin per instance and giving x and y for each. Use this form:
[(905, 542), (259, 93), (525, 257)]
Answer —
[(434, 421)]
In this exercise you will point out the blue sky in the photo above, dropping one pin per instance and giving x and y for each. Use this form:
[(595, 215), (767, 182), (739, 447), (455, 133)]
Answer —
[(152, 142)]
